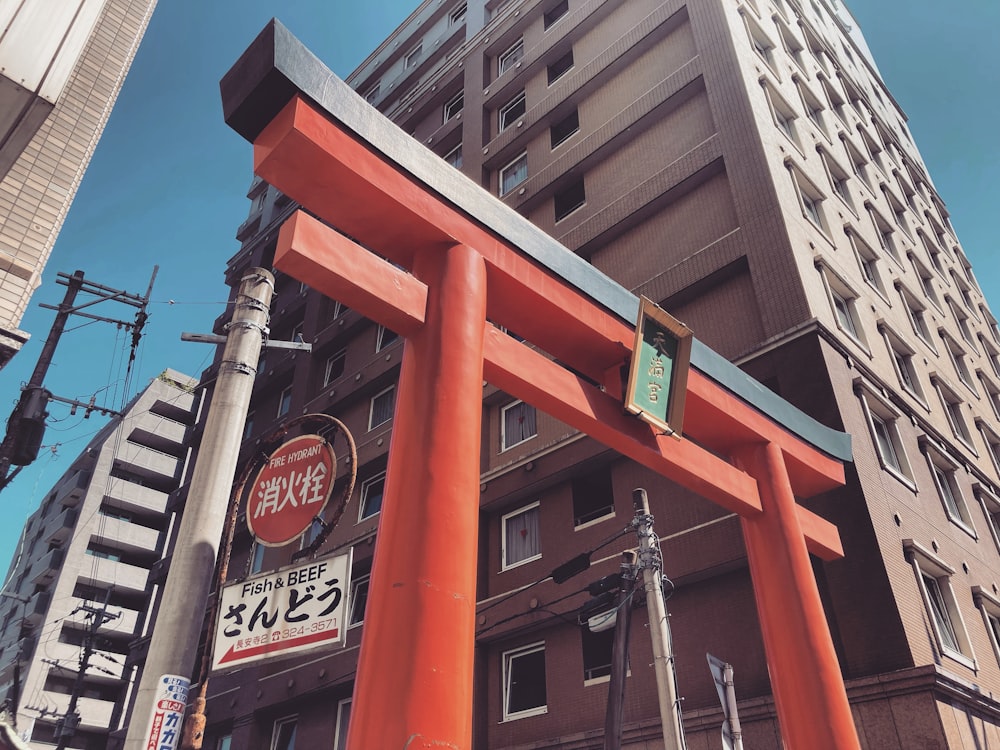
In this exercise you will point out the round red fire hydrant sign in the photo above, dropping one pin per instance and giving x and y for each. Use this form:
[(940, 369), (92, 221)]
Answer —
[(291, 490)]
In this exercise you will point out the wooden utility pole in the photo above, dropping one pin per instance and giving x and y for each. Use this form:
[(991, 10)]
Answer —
[(651, 563), (174, 644), (619, 656), (67, 724), (26, 425)]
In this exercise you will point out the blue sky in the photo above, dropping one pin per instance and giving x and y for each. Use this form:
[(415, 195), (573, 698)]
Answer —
[(167, 183)]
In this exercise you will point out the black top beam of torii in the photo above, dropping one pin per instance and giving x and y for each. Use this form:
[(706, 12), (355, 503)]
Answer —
[(277, 66)]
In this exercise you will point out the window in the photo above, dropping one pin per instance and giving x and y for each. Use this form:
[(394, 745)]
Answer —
[(524, 682), (963, 323), (454, 157), (373, 93), (343, 723), (556, 12), (283, 737), (257, 558), (458, 14), (813, 106), (992, 393), (103, 553), (258, 200), (510, 57), (312, 533), (285, 401), (838, 178), (992, 442), (811, 202), (520, 536), (371, 496), (940, 617), (413, 56), (943, 472), (882, 421), (514, 174), (381, 407), (842, 301), (560, 67), (509, 112), (570, 198), (359, 600), (886, 237), (991, 354), (917, 317), (597, 654), (957, 356), (761, 44), (859, 165), (334, 367), (989, 608), (248, 426), (563, 129), (926, 281), (453, 107), (517, 424), (869, 264), (593, 498), (384, 338), (953, 408), (225, 742), (902, 359), (784, 118), (933, 576)]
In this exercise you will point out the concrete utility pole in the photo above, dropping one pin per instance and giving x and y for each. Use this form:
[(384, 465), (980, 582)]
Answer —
[(619, 656), (651, 563), (174, 644)]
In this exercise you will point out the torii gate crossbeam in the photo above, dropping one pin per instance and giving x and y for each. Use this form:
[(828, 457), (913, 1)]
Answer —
[(474, 263)]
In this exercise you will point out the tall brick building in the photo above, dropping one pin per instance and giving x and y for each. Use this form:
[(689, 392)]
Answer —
[(741, 163)]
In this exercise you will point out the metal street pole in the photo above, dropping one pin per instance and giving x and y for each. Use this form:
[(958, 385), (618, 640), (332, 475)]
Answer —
[(732, 712), (651, 563), (173, 648)]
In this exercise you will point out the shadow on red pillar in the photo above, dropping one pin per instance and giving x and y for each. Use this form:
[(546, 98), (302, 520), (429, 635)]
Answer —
[(808, 687), (415, 670)]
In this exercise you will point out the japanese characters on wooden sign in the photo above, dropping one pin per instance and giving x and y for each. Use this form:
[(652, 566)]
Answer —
[(291, 490), (297, 608), (657, 381)]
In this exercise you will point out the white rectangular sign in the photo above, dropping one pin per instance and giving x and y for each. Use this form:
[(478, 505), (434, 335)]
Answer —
[(164, 730), (297, 608)]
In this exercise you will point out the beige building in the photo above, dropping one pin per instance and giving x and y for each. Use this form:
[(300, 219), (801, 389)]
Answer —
[(62, 65), (93, 541), (742, 163)]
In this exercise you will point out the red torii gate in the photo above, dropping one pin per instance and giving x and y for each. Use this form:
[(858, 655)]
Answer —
[(475, 263)]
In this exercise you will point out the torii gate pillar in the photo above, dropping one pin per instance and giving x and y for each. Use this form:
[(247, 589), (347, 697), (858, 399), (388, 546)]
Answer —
[(414, 683)]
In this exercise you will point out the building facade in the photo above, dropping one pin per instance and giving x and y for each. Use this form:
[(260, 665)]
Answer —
[(741, 163), (81, 578), (62, 68)]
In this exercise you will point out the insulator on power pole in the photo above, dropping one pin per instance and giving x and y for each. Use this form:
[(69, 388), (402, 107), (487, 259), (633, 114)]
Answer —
[(571, 568), (608, 583)]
